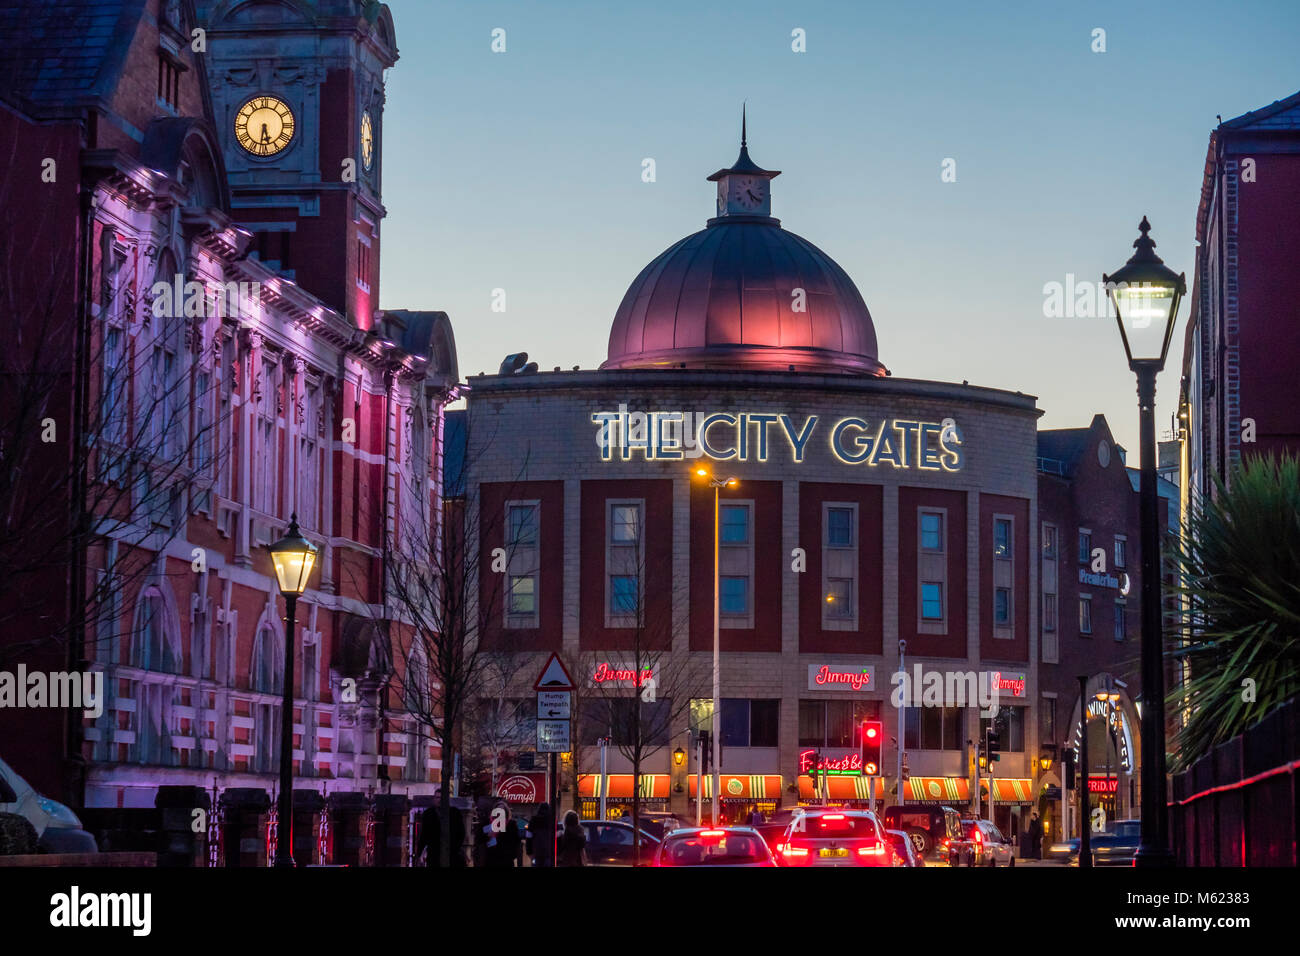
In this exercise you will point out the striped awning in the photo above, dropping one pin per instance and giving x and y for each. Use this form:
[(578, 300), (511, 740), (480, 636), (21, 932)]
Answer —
[(840, 788), (937, 790), (651, 786), (757, 786), (1009, 789)]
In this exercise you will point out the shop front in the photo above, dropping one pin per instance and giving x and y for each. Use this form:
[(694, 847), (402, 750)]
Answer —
[(739, 796), (841, 790), (653, 789), (944, 791), (1013, 801)]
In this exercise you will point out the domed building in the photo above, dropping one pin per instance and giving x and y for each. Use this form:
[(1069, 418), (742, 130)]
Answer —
[(854, 511)]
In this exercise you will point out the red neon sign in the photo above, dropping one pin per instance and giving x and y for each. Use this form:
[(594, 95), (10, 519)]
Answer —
[(852, 764), (855, 679), (609, 672), (1103, 785)]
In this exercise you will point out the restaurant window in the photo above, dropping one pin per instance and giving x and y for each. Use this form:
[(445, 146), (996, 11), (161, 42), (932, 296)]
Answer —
[(749, 723), (834, 723), (1010, 725), (1085, 613), (935, 728), (523, 563)]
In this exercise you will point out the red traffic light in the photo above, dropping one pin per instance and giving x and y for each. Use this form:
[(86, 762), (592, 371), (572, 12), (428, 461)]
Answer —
[(872, 731)]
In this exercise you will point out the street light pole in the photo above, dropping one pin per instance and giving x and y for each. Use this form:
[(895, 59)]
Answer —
[(284, 805), (902, 719), (1085, 843), (717, 660)]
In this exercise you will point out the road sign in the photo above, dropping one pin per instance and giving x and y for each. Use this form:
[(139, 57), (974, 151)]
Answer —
[(554, 676), (554, 705), (553, 736)]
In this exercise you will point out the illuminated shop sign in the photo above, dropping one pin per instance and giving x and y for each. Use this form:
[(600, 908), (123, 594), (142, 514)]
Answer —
[(1116, 724), (1013, 684), (841, 677), (1120, 583), (848, 765), (1103, 784), (754, 436), (606, 673)]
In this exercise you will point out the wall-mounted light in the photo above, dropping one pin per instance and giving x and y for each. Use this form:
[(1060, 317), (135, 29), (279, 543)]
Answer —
[(679, 756)]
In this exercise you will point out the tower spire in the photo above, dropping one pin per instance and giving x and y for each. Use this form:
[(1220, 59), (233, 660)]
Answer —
[(742, 124)]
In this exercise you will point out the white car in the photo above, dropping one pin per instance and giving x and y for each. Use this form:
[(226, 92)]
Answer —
[(57, 828), (991, 848)]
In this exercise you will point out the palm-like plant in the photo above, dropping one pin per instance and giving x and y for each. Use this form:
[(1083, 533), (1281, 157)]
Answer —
[(1239, 566)]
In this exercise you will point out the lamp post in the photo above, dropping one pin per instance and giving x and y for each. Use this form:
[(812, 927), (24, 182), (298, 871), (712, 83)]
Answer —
[(294, 558), (1146, 294), (716, 735), (1085, 821)]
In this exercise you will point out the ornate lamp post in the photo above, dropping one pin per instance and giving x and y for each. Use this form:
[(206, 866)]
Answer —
[(294, 558), (1146, 293)]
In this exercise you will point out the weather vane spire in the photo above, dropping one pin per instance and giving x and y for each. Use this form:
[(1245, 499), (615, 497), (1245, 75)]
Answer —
[(742, 123)]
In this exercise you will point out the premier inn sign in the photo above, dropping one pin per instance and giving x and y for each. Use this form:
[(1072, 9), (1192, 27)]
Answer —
[(758, 436)]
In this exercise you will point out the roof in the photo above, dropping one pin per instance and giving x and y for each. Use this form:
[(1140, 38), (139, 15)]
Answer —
[(1064, 445), (64, 51), (1280, 114)]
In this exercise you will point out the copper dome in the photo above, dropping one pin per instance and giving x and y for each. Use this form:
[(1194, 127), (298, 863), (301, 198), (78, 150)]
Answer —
[(726, 297)]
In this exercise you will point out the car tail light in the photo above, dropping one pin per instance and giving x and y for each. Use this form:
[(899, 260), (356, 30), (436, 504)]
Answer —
[(979, 837), (713, 833), (875, 850), (796, 851), (833, 816)]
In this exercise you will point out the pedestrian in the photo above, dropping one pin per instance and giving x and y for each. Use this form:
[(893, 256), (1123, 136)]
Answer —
[(1036, 836), (430, 837), (573, 843), (484, 839), (541, 843), (756, 818), (457, 837), (514, 843), (502, 836)]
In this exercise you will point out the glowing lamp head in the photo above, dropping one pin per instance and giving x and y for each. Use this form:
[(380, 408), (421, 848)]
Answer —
[(679, 756), (702, 472), (1145, 294), (294, 558)]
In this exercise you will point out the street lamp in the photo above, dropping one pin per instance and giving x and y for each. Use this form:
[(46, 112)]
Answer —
[(294, 557), (1146, 293), (716, 735), (1045, 762), (679, 756)]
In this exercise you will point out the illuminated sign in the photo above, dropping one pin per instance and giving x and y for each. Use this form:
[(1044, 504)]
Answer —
[(1103, 784), (848, 765), (752, 436), (841, 677), (605, 673), (1120, 583), (1117, 726), (1014, 683), (522, 787)]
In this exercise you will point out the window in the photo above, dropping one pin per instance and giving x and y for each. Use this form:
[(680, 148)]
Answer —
[(931, 531), (169, 81), (1001, 605), (1010, 727), (523, 563), (834, 723), (625, 524), (1121, 551), (1049, 542), (935, 728), (839, 527), (1002, 538), (1047, 718), (624, 563), (1049, 612), (1121, 620), (523, 594), (309, 460), (749, 723), (523, 525), (115, 381), (734, 522), (1085, 545), (363, 263), (932, 601), (621, 718), (839, 598), (1085, 613), (266, 450), (267, 674), (154, 646), (623, 594), (734, 597)]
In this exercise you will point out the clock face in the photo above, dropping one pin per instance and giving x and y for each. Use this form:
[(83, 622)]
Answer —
[(749, 192), (367, 140), (264, 125)]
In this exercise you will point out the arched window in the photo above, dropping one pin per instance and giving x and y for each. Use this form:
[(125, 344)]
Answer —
[(266, 671), (155, 638)]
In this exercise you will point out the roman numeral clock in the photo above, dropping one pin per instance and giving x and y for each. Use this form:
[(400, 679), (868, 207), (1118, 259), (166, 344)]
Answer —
[(264, 125)]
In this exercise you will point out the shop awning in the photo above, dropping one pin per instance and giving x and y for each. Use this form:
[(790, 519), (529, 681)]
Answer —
[(840, 788), (937, 790), (522, 788), (651, 786), (1009, 789), (759, 786)]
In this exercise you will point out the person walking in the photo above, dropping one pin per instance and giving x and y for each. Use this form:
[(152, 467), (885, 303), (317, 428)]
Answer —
[(756, 818), (457, 837), (1036, 836), (430, 837), (541, 841), (573, 843)]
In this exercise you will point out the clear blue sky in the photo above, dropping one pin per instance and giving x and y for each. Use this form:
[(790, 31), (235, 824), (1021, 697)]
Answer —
[(522, 170)]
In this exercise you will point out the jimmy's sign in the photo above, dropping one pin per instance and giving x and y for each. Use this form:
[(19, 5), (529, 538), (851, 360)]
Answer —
[(841, 677), (755, 436)]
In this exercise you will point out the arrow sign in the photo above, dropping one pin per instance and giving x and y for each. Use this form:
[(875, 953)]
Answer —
[(554, 705), (554, 676)]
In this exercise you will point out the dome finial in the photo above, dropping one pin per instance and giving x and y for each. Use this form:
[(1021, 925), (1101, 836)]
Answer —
[(742, 124)]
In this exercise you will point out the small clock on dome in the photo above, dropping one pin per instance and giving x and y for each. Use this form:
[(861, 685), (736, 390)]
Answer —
[(745, 188)]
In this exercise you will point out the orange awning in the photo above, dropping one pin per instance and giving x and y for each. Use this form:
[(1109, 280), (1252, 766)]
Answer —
[(652, 786), (1009, 789), (839, 788), (758, 786), (937, 790)]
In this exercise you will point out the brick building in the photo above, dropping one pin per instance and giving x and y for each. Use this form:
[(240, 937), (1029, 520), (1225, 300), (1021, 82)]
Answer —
[(187, 233)]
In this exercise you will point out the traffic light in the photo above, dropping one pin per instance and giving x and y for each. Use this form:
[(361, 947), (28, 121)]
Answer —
[(706, 752), (873, 740), (994, 741)]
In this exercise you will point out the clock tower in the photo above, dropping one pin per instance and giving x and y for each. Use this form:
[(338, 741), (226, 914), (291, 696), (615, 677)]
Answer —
[(298, 99), (744, 190)]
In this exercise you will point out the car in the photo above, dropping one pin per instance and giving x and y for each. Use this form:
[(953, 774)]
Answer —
[(936, 831), (827, 836), (988, 847), (659, 823), (610, 843), (57, 828), (904, 851), (720, 846), (774, 828), (1114, 847)]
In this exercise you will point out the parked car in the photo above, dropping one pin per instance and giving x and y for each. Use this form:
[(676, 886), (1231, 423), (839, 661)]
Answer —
[(660, 823), (57, 828), (936, 831), (774, 829), (904, 852), (987, 845), (609, 843), (723, 846), (826, 836)]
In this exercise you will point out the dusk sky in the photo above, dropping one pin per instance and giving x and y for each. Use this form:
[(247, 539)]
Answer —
[(522, 170)]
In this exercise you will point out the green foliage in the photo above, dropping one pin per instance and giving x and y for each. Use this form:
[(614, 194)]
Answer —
[(1240, 570)]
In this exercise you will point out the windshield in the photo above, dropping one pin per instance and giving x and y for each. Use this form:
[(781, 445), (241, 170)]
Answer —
[(700, 850)]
